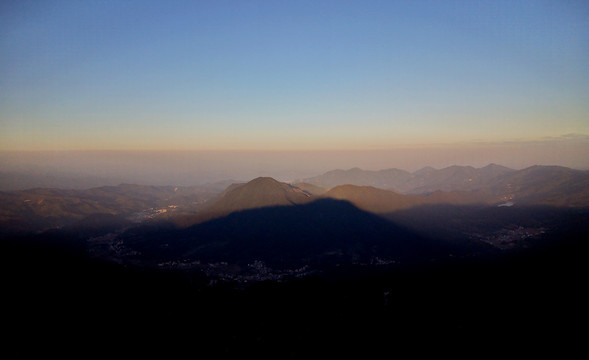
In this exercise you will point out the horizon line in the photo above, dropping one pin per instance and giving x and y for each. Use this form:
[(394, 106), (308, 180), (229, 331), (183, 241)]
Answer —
[(455, 144)]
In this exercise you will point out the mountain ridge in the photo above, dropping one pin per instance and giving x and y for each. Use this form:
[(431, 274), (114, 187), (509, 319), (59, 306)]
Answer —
[(40, 209), (429, 179)]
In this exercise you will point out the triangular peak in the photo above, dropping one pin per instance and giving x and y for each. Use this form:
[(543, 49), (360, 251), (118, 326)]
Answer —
[(264, 180)]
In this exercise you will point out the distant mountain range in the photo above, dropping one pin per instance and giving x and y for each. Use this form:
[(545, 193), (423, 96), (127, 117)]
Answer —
[(421, 181), (379, 192), (551, 185), (455, 185)]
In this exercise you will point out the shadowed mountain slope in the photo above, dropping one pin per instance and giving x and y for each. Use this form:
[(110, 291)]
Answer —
[(323, 232)]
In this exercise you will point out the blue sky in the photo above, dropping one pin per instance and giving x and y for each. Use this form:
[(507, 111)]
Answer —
[(290, 75)]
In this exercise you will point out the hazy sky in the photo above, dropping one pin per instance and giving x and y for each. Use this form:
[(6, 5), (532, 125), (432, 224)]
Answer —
[(290, 75)]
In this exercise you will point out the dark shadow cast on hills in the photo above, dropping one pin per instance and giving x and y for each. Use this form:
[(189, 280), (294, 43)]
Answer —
[(323, 232)]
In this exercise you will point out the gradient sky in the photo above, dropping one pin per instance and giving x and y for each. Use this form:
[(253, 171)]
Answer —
[(290, 75)]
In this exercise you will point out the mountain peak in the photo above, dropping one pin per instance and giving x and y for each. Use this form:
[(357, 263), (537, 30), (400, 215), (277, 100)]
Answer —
[(257, 193), (264, 179)]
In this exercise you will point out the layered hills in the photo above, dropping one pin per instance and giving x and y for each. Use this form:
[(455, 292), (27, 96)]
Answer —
[(394, 179), (491, 185), (379, 192), (548, 185), (41, 209), (425, 180)]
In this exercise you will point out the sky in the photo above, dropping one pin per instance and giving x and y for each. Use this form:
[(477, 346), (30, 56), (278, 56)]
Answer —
[(290, 75), (189, 92)]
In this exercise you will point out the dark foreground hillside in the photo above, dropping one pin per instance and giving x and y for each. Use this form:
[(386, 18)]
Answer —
[(55, 298)]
